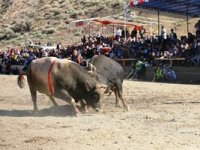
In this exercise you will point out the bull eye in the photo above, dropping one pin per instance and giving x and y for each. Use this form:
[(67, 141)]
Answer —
[(94, 88)]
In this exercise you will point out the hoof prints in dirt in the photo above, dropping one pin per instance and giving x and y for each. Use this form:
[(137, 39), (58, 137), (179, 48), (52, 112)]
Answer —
[(40, 140), (57, 111)]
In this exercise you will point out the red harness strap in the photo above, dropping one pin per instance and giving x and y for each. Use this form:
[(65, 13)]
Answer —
[(50, 87)]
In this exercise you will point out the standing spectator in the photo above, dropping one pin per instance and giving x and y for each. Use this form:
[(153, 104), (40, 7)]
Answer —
[(125, 33), (142, 32), (163, 33), (59, 46), (173, 36), (134, 33), (83, 40), (197, 29), (118, 33)]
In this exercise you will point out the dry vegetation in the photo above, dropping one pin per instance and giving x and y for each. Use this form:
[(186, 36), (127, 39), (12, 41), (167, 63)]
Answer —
[(47, 20)]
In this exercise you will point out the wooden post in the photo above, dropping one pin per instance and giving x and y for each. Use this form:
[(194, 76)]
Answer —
[(89, 29), (158, 22), (101, 29), (187, 21)]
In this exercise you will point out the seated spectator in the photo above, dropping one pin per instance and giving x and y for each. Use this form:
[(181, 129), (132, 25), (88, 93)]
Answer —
[(76, 57), (171, 75), (27, 62), (158, 76), (138, 70)]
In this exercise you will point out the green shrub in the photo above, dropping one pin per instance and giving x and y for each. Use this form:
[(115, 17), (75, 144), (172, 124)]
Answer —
[(21, 26), (7, 34), (48, 31)]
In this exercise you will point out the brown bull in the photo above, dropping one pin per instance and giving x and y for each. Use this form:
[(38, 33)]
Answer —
[(62, 79)]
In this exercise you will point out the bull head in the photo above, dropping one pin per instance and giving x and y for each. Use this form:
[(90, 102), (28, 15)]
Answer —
[(97, 86)]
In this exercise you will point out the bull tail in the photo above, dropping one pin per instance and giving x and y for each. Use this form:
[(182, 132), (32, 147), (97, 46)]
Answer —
[(21, 81)]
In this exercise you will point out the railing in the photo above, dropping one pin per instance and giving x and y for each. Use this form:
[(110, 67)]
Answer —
[(171, 60), (124, 61)]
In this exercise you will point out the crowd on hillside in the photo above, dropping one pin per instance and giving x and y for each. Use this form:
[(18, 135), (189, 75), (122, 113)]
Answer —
[(125, 44)]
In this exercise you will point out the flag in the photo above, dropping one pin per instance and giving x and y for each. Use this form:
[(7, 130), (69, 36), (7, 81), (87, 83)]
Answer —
[(136, 2)]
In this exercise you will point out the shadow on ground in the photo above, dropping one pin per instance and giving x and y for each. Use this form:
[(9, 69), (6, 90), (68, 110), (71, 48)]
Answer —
[(58, 111)]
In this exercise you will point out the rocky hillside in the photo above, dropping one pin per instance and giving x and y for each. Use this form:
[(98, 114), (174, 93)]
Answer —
[(48, 20), (24, 20)]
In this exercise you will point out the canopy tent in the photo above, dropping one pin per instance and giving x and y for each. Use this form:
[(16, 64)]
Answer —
[(103, 22), (84, 22), (181, 7), (116, 23)]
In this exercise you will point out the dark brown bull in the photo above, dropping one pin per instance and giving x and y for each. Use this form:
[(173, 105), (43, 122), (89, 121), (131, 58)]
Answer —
[(109, 73), (62, 79)]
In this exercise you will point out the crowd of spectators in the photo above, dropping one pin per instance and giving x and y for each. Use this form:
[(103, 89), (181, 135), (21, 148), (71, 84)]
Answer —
[(125, 44)]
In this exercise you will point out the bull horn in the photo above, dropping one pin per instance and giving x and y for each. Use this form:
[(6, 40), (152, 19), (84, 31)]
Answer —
[(102, 86), (91, 67)]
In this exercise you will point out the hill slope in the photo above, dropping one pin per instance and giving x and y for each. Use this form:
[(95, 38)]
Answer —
[(47, 20)]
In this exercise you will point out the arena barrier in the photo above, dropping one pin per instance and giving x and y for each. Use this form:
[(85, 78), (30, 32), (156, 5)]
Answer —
[(187, 75)]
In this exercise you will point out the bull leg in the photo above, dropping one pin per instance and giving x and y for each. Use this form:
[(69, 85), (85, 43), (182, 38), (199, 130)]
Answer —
[(73, 103), (83, 105), (125, 105), (63, 94), (53, 100), (117, 99), (34, 99)]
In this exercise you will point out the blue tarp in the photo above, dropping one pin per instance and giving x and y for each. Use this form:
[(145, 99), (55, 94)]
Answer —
[(174, 6)]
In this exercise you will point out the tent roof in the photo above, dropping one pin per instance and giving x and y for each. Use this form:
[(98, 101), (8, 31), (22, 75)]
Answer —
[(174, 6), (115, 22)]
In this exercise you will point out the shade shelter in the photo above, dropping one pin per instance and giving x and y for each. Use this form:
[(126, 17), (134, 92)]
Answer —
[(102, 22), (188, 8)]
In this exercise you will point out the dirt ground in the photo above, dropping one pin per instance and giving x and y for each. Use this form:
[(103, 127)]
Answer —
[(162, 116)]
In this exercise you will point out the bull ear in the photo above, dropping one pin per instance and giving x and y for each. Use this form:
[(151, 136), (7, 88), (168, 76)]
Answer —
[(91, 68)]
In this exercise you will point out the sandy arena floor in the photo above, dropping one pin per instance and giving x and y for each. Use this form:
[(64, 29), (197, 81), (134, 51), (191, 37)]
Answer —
[(162, 116)]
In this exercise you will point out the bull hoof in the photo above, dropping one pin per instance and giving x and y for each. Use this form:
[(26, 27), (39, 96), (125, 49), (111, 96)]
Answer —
[(85, 111), (56, 105), (126, 109), (118, 105), (35, 112), (77, 115), (77, 112)]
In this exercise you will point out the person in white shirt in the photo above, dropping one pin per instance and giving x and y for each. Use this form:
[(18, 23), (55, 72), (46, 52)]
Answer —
[(118, 32), (163, 33)]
